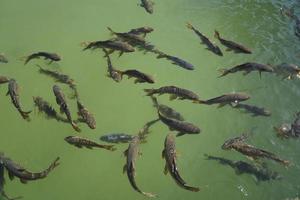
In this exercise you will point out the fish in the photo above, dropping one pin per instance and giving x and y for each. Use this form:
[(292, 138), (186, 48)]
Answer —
[(117, 138), (131, 38), (141, 30), (46, 55), (288, 71), (231, 98), (85, 115), (3, 59), (175, 92), (175, 60), (61, 101), (112, 45), (180, 126), (45, 107), (143, 132), (170, 155), (58, 77), (241, 167), (247, 68), (256, 111), (84, 142), (290, 130), (4, 79), (113, 73), (166, 110), (251, 151), (15, 170), (148, 5), (131, 154), (237, 48), (210, 45), (13, 91), (140, 77)]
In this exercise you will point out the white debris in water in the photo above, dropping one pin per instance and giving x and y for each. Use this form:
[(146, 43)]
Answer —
[(243, 190)]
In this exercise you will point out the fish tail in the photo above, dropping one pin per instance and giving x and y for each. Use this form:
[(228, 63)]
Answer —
[(155, 102), (85, 45), (217, 34), (189, 26), (53, 165), (111, 31), (147, 194), (150, 92), (24, 114), (75, 126), (223, 72), (193, 189), (109, 147)]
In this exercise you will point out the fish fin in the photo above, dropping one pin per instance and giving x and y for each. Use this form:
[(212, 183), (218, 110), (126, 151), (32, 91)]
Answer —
[(246, 72), (166, 169), (173, 97), (23, 181), (223, 72), (7, 93), (125, 152), (111, 31), (78, 146), (149, 92), (124, 168), (121, 53), (189, 26), (11, 176), (221, 105), (228, 49), (89, 147), (217, 34), (163, 153), (171, 129), (75, 127), (260, 74), (180, 134)]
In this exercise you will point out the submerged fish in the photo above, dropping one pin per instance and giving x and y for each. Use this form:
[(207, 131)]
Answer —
[(83, 142), (15, 170), (256, 111), (141, 30), (140, 77), (148, 5), (131, 154), (170, 155), (210, 45), (112, 45), (175, 92), (241, 167), (13, 91), (61, 101), (113, 73), (3, 59), (290, 130), (58, 77), (166, 110), (175, 60), (143, 132), (180, 126), (47, 56), (247, 68), (231, 98), (86, 116), (131, 38), (117, 138), (239, 145), (288, 71), (4, 79), (237, 48), (45, 107)]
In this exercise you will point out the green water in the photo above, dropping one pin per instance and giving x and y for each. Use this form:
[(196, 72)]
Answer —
[(60, 26)]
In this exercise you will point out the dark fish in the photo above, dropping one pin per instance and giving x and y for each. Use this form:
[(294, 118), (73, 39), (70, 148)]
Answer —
[(132, 39), (231, 98), (148, 5), (112, 45), (131, 155), (83, 142), (140, 76), (13, 91), (117, 138), (170, 155), (175, 92), (251, 151), (256, 111), (113, 73), (141, 31), (247, 68), (3, 59), (45, 107), (86, 116), (180, 126), (166, 110), (4, 79), (61, 101), (288, 71), (241, 167), (237, 48), (175, 60), (210, 45), (15, 170), (47, 56), (290, 130)]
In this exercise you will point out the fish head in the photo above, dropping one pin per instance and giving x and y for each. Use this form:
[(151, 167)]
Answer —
[(218, 51), (228, 144), (147, 29), (68, 139), (243, 97), (283, 130), (56, 57)]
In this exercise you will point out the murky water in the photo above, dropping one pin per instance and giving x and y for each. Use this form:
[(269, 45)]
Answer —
[(60, 26)]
